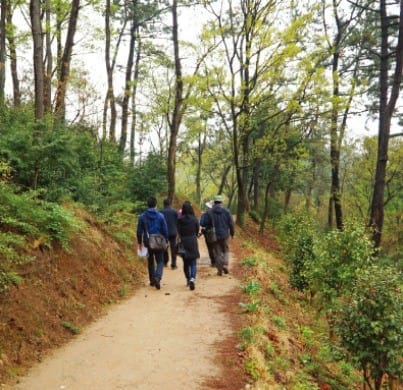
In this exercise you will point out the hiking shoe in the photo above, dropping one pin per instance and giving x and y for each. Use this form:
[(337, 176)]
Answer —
[(225, 269), (192, 284), (157, 283)]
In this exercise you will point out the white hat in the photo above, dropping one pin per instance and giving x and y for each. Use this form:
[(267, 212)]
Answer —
[(209, 204)]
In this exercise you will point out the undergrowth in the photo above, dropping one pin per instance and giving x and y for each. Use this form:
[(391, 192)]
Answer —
[(286, 343)]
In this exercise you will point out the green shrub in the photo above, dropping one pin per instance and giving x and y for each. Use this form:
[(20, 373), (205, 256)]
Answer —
[(339, 255), (298, 233), (370, 323)]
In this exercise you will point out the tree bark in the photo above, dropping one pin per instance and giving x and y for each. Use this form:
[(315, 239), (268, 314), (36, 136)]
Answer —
[(110, 94), (128, 85), (3, 20), (386, 110), (178, 102), (133, 129), (47, 89), (36, 29), (13, 57), (60, 108)]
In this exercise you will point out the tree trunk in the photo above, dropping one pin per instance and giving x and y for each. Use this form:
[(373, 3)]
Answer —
[(134, 104), (47, 88), (3, 20), (13, 57), (60, 108), (110, 100), (128, 86), (334, 133), (36, 28), (386, 110), (178, 102), (224, 179)]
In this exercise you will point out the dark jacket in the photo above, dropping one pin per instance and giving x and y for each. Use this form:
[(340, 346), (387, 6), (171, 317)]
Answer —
[(223, 221), (188, 228), (171, 216), (155, 224)]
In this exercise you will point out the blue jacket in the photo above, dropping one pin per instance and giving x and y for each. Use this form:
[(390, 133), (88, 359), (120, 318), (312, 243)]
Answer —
[(155, 224), (222, 219)]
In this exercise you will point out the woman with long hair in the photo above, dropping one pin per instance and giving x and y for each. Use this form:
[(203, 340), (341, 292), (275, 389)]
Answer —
[(188, 230)]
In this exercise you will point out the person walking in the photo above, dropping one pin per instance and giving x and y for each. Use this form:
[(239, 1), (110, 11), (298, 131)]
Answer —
[(221, 219), (209, 244), (171, 217), (188, 229), (152, 222)]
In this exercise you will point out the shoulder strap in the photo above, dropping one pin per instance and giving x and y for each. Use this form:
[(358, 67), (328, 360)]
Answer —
[(145, 224), (211, 215)]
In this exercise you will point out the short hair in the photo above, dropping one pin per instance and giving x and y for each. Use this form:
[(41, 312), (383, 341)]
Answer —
[(151, 202), (167, 202), (187, 208)]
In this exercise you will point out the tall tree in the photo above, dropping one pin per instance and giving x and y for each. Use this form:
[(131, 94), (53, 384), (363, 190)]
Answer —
[(176, 118), (60, 107), (254, 73), (36, 29), (3, 22), (13, 55), (389, 93), (345, 49)]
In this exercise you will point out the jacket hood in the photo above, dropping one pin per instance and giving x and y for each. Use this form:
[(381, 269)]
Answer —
[(152, 213), (218, 210)]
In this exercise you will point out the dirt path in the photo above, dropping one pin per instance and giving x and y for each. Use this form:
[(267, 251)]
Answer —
[(166, 339)]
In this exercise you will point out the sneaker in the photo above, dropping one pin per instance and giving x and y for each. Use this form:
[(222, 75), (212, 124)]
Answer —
[(225, 269), (192, 284), (157, 283)]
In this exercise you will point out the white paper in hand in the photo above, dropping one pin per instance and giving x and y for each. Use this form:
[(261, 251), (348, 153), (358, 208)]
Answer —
[(142, 252)]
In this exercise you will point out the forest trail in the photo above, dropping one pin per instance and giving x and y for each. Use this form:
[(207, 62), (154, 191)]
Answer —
[(166, 338)]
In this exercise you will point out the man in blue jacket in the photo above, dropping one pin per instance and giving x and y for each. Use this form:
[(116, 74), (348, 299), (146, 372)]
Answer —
[(152, 222), (221, 218)]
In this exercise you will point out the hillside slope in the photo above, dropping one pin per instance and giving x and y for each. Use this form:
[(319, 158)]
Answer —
[(62, 291)]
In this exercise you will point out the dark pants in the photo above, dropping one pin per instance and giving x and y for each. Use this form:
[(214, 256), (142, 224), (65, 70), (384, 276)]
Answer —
[(210, 248), (221, 254), (155, 265), (172, 243)]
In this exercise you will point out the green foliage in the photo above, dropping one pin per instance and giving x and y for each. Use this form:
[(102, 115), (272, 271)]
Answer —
[(73, 329), (249, 334), (62, 162), (298, 232), (252, 288), (27, 215), (370, 323), (25, 218), (250, 261), (148, 178), (251, 306), (294, 225), (303, 254), (339, 255)]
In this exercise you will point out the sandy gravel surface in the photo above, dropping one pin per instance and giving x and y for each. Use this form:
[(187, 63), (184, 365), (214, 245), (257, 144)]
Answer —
[(157, 339)]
